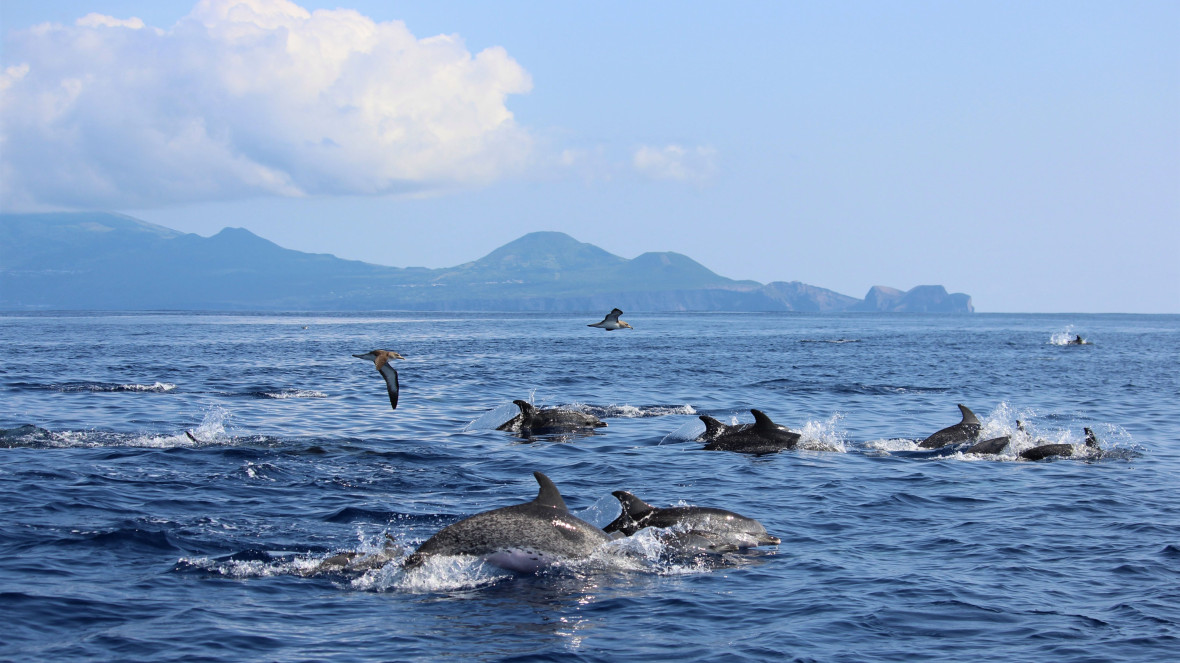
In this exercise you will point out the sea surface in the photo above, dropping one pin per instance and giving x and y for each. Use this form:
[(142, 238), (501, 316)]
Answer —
[(172, 484)]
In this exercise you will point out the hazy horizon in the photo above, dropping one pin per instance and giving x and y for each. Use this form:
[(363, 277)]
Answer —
[(1027, 154)]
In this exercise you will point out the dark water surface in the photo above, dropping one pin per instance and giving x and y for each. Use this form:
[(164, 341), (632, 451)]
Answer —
[(123, 539)]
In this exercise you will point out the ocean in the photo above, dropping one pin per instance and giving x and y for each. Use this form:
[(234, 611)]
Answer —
[(172, 484)]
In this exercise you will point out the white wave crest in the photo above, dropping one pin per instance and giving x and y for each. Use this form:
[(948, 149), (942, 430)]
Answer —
[(295, 393)]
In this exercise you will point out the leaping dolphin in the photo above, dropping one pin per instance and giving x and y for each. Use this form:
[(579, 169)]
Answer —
[(966, 430), (532, 421), (523, 538), (706, 528), (762, 437), (380, 359), (612, 321)]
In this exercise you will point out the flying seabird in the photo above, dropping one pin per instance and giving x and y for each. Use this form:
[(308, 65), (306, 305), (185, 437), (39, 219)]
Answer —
[(380, 359), (612, 321)]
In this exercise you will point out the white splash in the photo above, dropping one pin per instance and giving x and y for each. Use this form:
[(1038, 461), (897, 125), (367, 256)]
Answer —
[(295, 393), (824, 435)]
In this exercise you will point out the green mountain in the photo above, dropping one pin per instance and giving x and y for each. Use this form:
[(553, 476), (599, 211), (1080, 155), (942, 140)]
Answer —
[(101, 261)]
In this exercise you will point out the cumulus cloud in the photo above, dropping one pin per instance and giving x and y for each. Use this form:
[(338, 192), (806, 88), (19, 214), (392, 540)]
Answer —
[(675, 162), (245, 98)]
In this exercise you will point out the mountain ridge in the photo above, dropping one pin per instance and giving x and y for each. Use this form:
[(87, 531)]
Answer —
[(104, 261)]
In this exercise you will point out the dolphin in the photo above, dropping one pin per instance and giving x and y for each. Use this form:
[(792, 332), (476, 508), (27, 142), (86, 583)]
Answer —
[(380, 359), (715, 429), (966, 430), (523, 538), (1060, 450), (357, 562), (762, 437), (549, 420), (705, 528), (992, 446), (612, 321)]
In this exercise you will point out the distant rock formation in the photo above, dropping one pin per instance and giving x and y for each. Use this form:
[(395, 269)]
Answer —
[(796, 296), (100, 261), (921, 299)]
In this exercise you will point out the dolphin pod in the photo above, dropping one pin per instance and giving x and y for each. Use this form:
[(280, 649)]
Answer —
[(968, 429)]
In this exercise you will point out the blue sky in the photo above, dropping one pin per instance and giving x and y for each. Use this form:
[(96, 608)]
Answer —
[(1026, 153)]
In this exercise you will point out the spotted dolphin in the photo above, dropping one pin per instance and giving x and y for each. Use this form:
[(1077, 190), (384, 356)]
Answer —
[(704, 528), (966, 430), (762, 437), (524, 537), (532, 420)]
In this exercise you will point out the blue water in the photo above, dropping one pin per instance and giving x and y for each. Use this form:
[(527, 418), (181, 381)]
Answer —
[(123, 539)]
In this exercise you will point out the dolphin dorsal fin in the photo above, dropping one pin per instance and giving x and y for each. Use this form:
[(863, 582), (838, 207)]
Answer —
[(632, 505), (711, 426), (526, 408), (548, 495), (969, 417), (761, 420)]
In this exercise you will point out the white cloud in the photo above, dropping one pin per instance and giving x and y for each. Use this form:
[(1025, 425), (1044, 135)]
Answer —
[(245, 98), (675, 162), (93, 20)]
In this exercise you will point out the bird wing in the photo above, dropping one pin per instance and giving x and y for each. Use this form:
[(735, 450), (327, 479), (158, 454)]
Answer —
[(390, 376)]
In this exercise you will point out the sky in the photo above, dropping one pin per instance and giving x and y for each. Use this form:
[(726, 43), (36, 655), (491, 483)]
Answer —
[(1026, 153)]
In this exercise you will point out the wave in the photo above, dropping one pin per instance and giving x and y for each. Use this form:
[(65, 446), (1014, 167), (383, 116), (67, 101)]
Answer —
[(289, 393), (212, 431), (856, 388), (829, 340), (98, 387), (631, 411)]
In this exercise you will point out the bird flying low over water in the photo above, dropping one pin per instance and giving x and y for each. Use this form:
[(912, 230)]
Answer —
[(612, 321), (380, 359)]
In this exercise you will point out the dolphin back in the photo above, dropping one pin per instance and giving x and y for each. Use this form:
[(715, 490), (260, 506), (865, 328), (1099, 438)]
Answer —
[(967, 430), (524, 537)]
